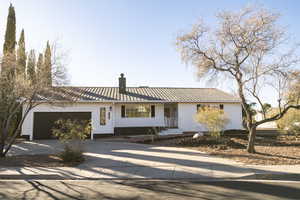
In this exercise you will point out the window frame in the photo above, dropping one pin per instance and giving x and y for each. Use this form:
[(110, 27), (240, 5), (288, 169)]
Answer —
[(152, 111), (219, 106), (149, 107), (102, 123)]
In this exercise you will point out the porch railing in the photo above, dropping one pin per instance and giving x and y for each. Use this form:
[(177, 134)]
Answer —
[(171, 122)]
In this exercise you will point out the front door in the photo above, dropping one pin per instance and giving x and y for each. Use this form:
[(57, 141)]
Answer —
[(170, 115), (105, 119)]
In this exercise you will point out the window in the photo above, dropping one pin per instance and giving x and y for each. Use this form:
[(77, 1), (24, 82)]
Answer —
[(203, 106), (221, 106), (137, 111), (153, 111), (200, 106), (102, 116)]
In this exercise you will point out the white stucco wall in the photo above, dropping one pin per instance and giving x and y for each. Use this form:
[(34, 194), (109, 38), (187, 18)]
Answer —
[(234, 112), (187, 111), (27, 128), (158, 120), (94, 108)]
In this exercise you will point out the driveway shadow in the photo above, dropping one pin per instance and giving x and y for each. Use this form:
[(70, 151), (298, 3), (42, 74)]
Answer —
[(134, 162), (129, 160)]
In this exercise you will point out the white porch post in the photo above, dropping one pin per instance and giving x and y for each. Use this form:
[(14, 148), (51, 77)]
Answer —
[(113, 114), (92, 132)]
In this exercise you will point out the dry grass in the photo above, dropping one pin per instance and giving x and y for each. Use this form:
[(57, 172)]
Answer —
[(266, 155)]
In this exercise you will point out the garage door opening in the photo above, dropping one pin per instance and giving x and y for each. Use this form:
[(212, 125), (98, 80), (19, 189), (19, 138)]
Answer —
[(44, 122)]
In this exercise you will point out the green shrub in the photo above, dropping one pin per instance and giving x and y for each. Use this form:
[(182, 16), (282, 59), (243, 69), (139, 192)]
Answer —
[(290, 122), (67, 129), (70, 155), (71, 133), (213, 119)]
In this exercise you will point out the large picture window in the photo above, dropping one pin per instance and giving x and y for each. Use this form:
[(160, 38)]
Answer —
[(138, 111), (215, 106)]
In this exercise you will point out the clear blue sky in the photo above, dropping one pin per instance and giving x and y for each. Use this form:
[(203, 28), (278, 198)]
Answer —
[(106, 37)]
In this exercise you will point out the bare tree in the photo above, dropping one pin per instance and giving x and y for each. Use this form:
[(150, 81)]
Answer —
[(249, 48), (17, 92)]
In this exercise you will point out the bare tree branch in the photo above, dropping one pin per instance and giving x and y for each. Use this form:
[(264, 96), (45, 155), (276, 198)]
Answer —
[(250, 47)]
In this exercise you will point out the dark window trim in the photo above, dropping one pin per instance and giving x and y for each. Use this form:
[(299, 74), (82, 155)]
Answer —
[(222, 106), (123, 111), (152, 111), (198, 107)]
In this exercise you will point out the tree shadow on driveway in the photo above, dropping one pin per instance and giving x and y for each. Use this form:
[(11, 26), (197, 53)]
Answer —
[(148, 190), (131, 164)]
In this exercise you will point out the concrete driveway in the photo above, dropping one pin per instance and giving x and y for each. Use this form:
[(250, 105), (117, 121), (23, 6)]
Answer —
[(120, 160)]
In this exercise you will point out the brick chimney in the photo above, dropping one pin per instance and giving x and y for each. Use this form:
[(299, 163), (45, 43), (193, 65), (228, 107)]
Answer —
[(122, 84)]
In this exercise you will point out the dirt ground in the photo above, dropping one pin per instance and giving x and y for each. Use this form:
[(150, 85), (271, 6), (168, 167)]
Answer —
[(284, 150)]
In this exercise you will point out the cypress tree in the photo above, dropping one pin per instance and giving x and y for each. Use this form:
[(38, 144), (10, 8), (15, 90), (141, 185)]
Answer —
[(31, 67), (39, 66), (10, 34), (9, 57), (48, 65), (21, 54)]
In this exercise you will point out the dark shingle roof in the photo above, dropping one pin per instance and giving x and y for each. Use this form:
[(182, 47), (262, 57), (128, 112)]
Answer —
[(142, 94)]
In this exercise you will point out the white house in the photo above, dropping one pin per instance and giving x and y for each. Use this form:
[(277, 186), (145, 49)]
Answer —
[(130, 110)]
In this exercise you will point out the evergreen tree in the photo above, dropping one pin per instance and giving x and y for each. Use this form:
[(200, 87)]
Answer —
[(39, 66), (9, 56), (31, 66), (21, 54), (10, 34), (48, 65)]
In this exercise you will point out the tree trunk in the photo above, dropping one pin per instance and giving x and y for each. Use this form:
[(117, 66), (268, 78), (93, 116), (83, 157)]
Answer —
[(2, 142), (2, 149), (251, 140)]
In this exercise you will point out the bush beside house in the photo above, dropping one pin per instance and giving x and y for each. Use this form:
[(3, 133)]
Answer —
[(71, 133), (290, 123), (213, 119)]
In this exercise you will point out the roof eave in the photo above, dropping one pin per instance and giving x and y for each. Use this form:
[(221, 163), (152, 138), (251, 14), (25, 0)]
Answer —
[(114, 101)]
